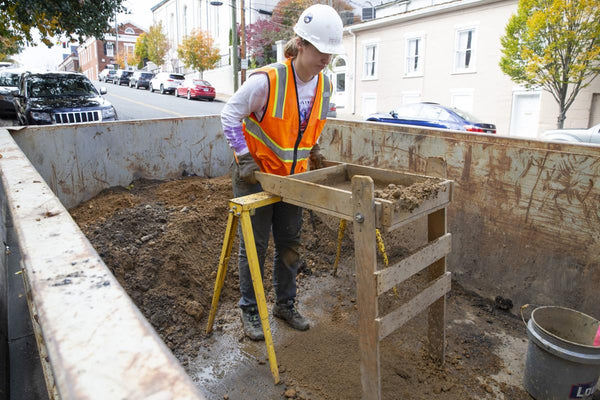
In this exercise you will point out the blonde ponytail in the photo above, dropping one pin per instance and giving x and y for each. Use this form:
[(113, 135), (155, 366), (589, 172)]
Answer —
[(290, 50)]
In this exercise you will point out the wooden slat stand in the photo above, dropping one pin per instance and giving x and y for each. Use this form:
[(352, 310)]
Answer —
[(372, 283), (323, 190)]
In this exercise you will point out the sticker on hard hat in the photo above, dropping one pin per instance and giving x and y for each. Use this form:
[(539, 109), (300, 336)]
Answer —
[(307, 18)]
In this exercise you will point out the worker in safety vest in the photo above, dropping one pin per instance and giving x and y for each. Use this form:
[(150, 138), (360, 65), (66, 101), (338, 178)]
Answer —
[(272, 123)]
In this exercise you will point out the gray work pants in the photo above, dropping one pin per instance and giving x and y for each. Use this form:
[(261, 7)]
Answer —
[(285, 220)]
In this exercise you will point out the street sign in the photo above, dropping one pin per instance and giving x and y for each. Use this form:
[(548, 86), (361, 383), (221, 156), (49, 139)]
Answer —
[(244, 62)]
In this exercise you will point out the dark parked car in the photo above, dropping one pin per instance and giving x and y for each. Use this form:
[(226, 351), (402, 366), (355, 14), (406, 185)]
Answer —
[(434, 115), (196, 89), (60, 98), (122, 77), (9, 82), (140, 79)]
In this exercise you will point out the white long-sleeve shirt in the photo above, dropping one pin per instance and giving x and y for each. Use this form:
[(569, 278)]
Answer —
[(252, 98)]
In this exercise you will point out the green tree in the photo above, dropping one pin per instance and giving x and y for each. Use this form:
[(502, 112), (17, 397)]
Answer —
[(8, 47), (555, 45), (141, 50), (157, 44), (75, 19), (197, 51)]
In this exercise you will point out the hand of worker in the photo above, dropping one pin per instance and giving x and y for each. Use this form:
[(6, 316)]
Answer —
[(315, 159), (247, 167)]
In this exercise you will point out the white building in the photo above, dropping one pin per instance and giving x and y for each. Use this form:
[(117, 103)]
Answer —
[(447, 53), (180, 17)]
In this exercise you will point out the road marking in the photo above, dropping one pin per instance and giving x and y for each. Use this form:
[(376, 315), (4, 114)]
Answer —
[(147, 105)]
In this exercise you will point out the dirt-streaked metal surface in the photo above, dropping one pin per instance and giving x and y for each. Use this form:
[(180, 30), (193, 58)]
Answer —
[(78, 161), (98, 344), (525, 217)]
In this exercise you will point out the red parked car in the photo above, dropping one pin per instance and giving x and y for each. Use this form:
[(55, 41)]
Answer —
[(194, 88)]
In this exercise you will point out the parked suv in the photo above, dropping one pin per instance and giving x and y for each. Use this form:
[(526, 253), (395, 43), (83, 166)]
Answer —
[(122, 77), (166, 82), (106, 74), (60, 98), (9, 82), (140, 79)]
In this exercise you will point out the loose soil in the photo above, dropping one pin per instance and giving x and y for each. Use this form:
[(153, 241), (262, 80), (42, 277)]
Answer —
[(162, 240)]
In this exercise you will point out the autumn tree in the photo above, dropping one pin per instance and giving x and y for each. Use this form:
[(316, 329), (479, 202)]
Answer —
[(197, 51), (120, 60), (262, 35), (141, 50), (286, 12), (75, 19), (8, 47), (555, 45), (260, 40), (157, 44)]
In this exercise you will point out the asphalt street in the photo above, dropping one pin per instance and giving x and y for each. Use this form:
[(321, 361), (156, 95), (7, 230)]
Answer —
[(132, 103)]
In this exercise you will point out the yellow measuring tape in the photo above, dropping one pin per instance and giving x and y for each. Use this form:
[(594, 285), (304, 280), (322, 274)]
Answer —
[(380, 246)]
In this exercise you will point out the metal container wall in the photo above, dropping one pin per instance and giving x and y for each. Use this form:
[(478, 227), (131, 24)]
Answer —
[(78, 161), (525, 215)]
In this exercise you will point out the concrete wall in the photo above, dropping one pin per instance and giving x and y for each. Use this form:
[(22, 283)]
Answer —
[(525, 218)]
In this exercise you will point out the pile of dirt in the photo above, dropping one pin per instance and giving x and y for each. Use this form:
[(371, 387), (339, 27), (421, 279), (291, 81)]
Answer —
[(410, 197), (162, 241)]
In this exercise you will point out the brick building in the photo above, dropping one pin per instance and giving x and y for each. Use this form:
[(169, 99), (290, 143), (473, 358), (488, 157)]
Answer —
[(95, 55)]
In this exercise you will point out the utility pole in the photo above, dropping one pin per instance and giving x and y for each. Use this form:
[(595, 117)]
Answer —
[(116, 40), (234, 44), (243, 45)]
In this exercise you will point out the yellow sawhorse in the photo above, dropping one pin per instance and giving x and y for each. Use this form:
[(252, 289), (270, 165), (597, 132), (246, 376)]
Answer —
[(241, 208)]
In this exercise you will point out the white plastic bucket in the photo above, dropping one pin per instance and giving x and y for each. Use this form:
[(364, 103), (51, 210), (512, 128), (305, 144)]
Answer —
[(562, 363)]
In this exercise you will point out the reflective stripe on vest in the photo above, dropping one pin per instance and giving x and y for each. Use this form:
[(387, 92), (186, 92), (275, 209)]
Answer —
[(285, 155), (326, 97), (282, 74), (275, 140)]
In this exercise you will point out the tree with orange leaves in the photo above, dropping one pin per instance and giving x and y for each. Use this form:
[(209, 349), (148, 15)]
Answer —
[(197, 51)]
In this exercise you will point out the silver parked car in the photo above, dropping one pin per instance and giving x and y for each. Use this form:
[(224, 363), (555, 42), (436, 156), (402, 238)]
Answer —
[(590, 135)]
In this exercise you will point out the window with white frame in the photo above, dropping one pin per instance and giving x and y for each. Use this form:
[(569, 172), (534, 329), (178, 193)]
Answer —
[(462, 99), (369, 103), (110, 50), (370, 71), (464, 49), (130, 50), (409, 97), (414, 56), (185, 29), (129, 31)]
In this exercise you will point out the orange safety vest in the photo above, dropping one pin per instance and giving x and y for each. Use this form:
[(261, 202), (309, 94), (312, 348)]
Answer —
[(275, 141)]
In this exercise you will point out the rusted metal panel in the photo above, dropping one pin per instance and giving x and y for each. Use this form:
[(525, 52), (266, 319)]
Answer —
[(98, 343), (78, 161), (525, 215)]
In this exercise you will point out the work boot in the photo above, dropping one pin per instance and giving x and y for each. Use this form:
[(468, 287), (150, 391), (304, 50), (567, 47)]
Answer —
[(288, 312), (251, 322)]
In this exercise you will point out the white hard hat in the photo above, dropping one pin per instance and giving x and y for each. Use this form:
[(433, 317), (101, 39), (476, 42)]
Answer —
[(322, 26)]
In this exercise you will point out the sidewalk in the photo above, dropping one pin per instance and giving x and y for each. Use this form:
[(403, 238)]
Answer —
[(222, 97)]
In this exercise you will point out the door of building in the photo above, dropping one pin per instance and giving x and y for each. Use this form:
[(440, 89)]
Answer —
[(339, 83), (524, 120)]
